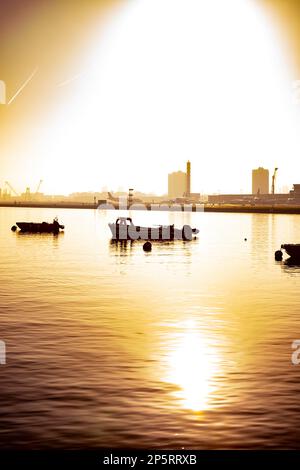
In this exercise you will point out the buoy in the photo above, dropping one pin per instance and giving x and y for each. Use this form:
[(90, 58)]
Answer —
[(147, 246), (278, 255), (14, 228)]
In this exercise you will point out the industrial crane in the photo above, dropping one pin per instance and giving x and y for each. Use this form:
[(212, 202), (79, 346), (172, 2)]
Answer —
[(11, 188), (273, 180), (38, 187)]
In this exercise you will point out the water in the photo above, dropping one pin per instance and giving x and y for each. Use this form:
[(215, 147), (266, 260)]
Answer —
[(188, 346)]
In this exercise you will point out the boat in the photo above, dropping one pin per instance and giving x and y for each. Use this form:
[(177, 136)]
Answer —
[(293, 250), (125, 229), (43, 227)]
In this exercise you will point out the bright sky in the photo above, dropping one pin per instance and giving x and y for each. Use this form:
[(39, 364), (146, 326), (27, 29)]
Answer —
[(161, 82)]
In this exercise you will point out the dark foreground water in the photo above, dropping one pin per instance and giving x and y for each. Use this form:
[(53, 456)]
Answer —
[(188, 346)]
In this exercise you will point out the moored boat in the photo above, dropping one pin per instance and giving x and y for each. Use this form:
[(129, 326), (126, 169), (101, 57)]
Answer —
[(293, 250), (43, 227), (125, 229)]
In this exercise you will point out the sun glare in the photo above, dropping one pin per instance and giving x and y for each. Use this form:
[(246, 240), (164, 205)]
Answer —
[(192, 366), (171, 80)]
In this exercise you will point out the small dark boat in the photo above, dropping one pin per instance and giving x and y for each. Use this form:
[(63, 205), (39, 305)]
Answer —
[(293, 250), (43, 227), (124, 229)]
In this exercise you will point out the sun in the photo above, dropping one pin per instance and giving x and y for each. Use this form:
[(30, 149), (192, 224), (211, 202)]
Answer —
[(172, 80)]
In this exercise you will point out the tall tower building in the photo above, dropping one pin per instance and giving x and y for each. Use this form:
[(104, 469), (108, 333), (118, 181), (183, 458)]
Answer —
[(260, 181), (188, 178)]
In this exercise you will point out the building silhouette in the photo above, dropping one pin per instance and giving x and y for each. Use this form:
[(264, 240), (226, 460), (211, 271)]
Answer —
[(260, 181), (188, 178), (295, 193), (177, 184)]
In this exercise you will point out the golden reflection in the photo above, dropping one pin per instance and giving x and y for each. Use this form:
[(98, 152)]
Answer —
[(192, 366)]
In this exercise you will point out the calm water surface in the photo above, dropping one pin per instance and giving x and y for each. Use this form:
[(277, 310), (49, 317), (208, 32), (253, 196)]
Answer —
[(188, 346)]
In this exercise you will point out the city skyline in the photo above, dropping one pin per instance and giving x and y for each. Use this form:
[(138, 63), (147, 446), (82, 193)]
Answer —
[(178, 184)]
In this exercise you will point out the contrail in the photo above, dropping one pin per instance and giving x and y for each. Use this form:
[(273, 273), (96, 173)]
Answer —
[(66, 82), (23, 86)]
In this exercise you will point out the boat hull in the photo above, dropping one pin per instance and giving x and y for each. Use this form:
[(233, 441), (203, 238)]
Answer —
[(44, 227), (293, 250)]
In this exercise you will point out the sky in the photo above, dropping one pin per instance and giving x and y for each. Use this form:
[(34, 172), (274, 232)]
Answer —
[(118, 93)]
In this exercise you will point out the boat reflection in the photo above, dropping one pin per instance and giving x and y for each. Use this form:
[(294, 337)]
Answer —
[(192, 366), (39, 235), (123, 247), (41, 238), (291, 266), (126, 246)]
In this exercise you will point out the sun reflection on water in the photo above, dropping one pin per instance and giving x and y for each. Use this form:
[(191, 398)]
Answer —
[(192, 366)]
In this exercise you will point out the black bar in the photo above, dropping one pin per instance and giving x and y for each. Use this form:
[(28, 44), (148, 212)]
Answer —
[(140, 458)]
